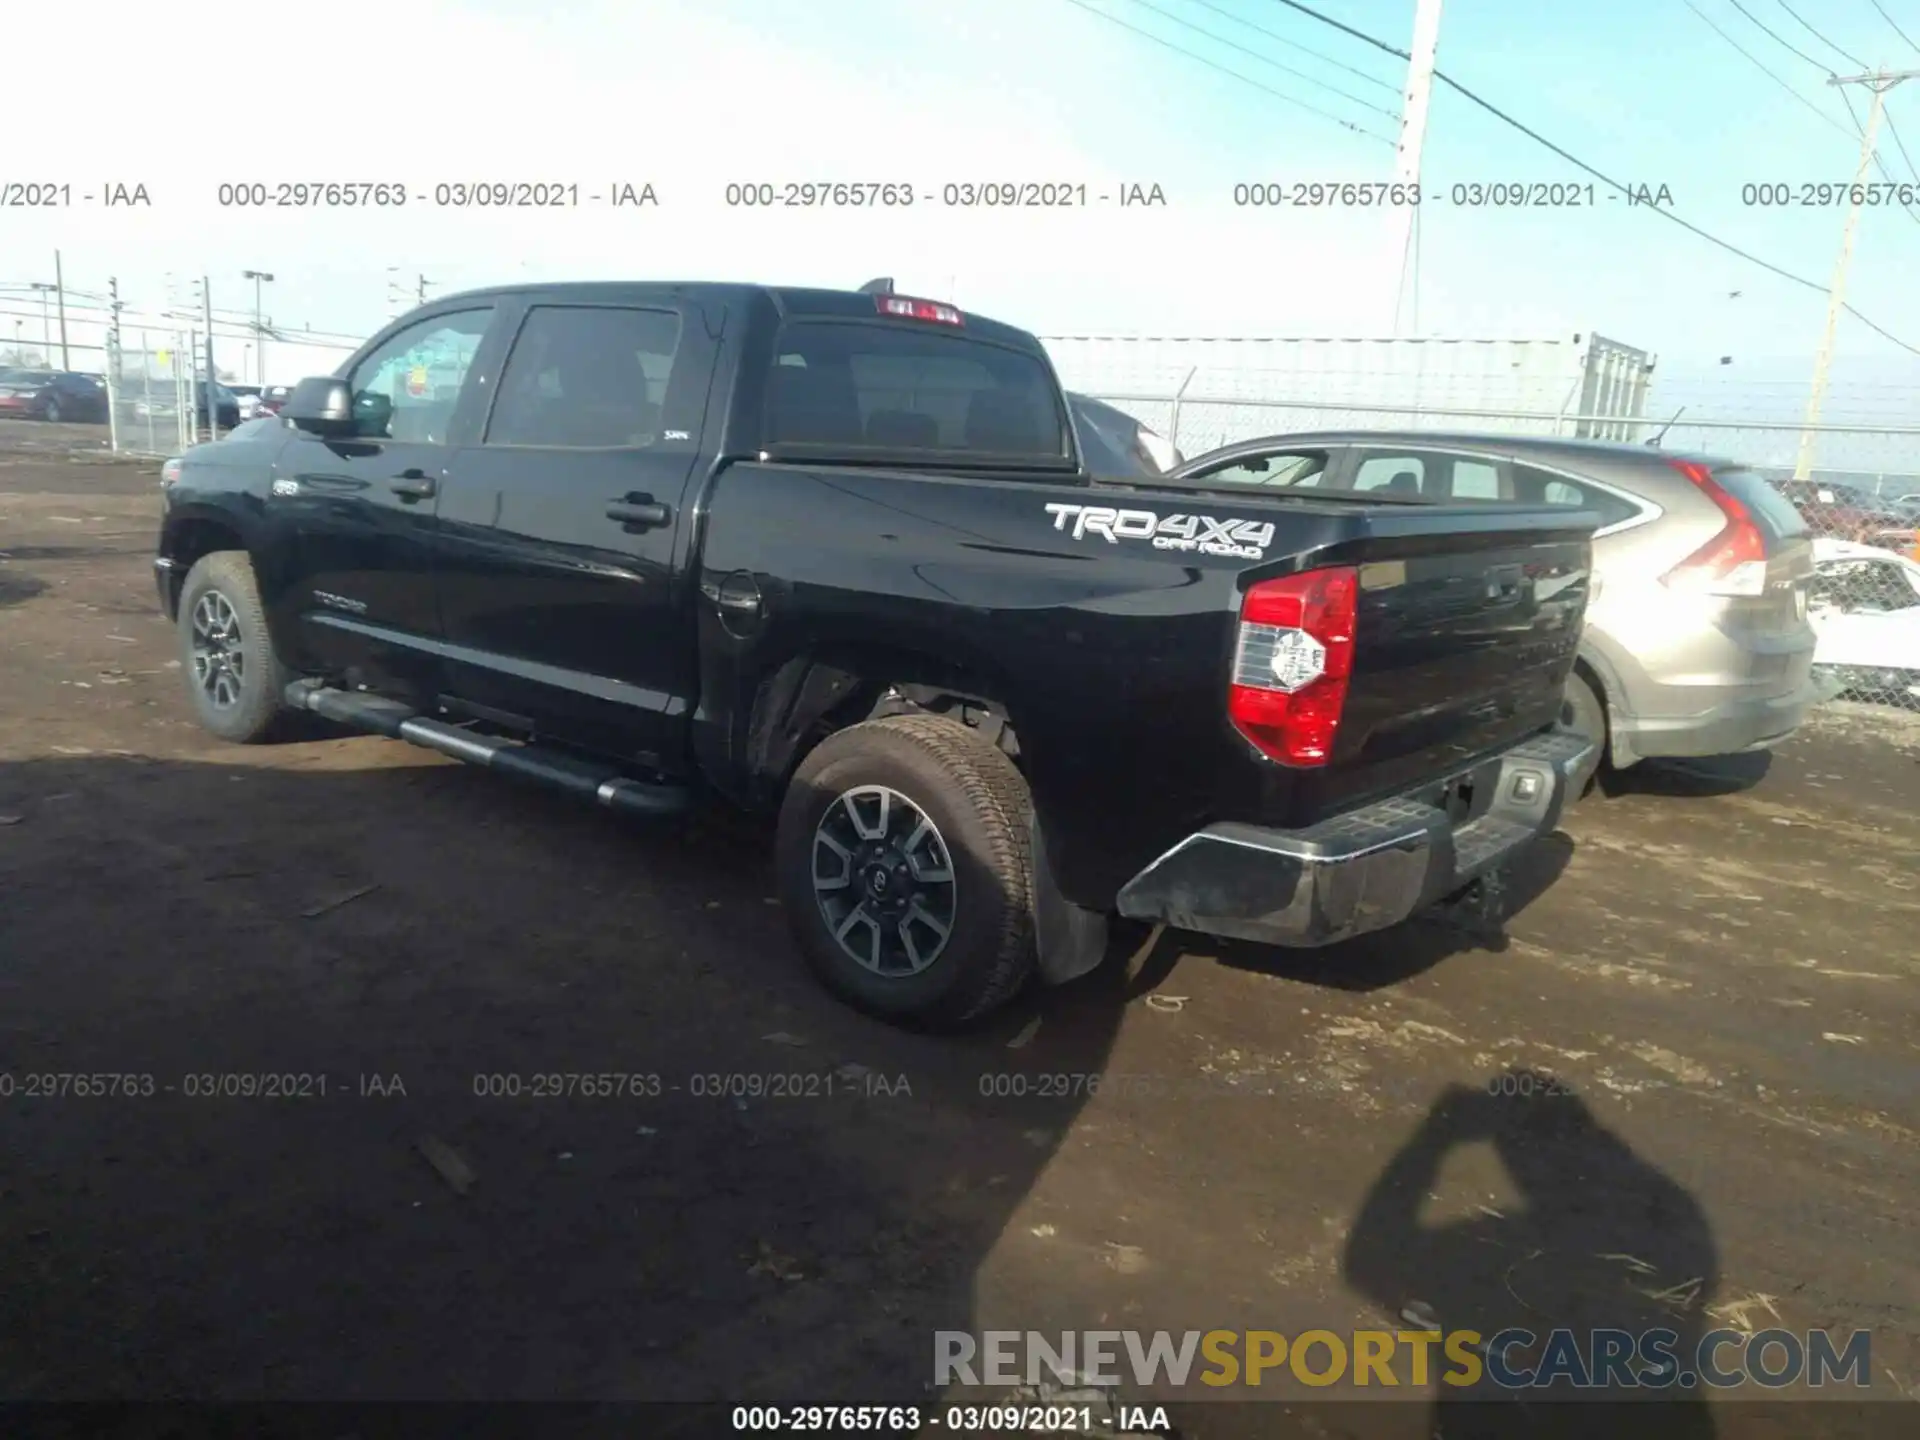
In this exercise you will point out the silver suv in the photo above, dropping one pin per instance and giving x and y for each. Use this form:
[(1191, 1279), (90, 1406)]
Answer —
[(1697, 640)]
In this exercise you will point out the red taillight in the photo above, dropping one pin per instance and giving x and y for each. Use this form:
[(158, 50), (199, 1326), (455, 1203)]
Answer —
[(1734, 562), (904, 307), (1292, 663)]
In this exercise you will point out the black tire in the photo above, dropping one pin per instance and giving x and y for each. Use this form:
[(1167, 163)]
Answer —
[(1584, 712), (51, 414), (982, 821), (258, 680)]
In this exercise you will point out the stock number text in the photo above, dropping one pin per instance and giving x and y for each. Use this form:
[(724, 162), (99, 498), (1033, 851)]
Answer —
[(61, 1085), (311, 194), (1322, 194), (1822, 194), (819, 194), (554, 1085)]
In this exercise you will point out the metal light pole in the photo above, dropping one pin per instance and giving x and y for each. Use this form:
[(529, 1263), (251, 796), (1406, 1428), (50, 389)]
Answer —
[(60, 296), (1413, 139), (1879, 83), (46, 322), (259, 278)]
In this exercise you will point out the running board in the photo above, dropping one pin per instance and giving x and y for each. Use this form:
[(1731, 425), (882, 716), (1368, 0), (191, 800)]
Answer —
[(552, 768)]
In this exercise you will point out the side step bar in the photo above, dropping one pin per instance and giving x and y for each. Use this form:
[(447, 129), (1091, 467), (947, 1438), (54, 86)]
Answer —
[(553, 768)]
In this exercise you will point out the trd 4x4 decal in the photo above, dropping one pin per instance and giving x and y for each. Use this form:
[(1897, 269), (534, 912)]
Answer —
[(1198, 534)]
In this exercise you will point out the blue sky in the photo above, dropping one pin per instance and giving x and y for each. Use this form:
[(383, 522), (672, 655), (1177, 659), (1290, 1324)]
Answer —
[(692, 95)]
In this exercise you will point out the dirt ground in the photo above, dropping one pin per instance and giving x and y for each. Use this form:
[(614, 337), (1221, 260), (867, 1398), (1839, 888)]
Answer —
[(1714, 970)]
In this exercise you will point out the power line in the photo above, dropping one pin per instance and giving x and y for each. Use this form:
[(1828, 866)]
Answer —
[(1896, 25), (1580, 164), (1234, 74), (1780, 39), (1853, 60), (1256, 55), (1879, 164), (1761, 66), (1899, 144), (1855, 134), (1280, 39)]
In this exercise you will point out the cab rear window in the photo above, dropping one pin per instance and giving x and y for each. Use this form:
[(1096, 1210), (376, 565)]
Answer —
[(854, 387)]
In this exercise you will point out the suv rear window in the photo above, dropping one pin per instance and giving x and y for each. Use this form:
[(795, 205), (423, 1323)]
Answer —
[(854, 386), (1764, 502)]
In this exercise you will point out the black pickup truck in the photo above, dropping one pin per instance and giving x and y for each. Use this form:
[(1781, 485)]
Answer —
[(834, 556)]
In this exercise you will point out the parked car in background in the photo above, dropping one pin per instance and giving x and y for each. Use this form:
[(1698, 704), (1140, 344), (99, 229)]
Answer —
[(248, 397), (1115, 443), (1844, 512), (1697, 640), (160, 404), (55, 395), (1865, 607), (274, 397)]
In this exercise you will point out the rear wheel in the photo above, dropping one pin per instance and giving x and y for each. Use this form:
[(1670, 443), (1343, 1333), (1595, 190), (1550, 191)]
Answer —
[(905, 866), (53, 410), (233, 678), (1583, 712)]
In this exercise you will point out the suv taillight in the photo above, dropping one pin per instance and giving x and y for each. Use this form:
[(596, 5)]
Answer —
[(1292, 661), (1734, 562)]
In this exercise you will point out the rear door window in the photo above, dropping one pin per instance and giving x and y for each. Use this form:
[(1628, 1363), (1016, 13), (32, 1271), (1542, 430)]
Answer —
[(586, 377), (1279, 470), (1430, 474), (861, 386), (1541, 487)]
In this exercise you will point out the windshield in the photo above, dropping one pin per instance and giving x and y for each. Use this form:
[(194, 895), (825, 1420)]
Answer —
[(887, 388), (27, 377)]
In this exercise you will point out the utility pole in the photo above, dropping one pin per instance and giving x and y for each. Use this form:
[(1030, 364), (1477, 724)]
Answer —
[(1413, 139), (60, 296), (420, 293), (1879, 83)]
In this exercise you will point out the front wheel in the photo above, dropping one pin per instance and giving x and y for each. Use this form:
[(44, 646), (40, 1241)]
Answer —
[(904, 860), (233, 678)]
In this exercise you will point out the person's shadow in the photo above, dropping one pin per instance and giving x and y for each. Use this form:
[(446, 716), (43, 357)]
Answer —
[(1600, 1239)]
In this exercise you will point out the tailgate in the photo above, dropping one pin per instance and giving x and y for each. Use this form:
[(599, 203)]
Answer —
[(1466, 625)]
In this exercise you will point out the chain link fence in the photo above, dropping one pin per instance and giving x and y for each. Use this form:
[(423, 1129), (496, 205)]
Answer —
[(152, 401), (1864, 599)]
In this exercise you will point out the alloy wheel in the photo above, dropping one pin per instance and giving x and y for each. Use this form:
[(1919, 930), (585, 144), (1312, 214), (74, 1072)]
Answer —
[(883, 878), (219, 653)]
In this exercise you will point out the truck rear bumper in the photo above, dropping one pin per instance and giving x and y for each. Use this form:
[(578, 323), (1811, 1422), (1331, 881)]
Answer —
[(1367, 869)]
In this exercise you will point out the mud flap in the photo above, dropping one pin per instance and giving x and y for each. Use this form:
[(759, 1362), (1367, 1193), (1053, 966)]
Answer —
[(1071, 940)]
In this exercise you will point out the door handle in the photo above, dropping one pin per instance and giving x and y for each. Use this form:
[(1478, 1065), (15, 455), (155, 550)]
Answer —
[(641, 512), (413, 485)]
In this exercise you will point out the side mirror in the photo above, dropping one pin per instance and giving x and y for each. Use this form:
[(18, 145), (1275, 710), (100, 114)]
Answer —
[(321, 405)]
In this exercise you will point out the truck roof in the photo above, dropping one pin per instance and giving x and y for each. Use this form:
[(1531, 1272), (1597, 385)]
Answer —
[(786, 300)]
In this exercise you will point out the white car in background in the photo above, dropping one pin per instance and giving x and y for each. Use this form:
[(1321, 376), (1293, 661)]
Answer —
[(1864, 605)]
